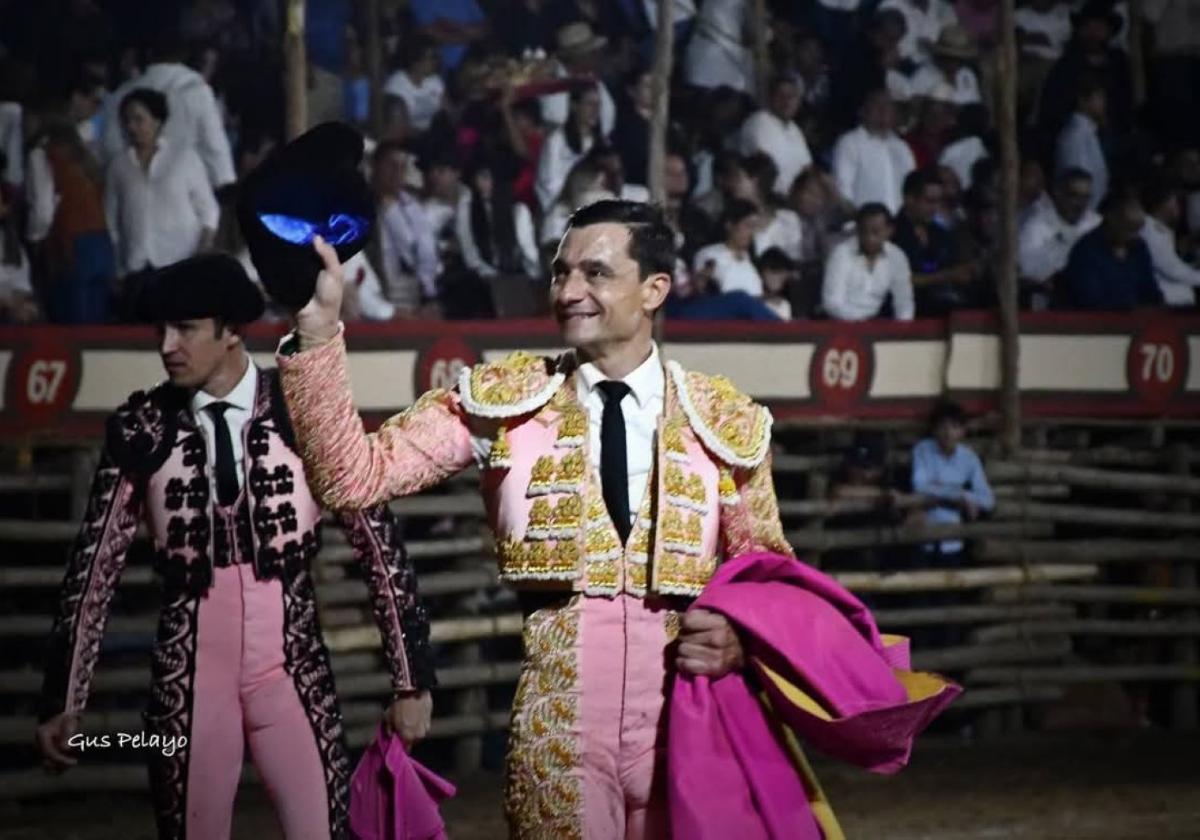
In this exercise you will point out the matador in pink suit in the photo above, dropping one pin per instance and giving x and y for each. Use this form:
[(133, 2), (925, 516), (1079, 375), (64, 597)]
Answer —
[(615, 482), (208, 462)]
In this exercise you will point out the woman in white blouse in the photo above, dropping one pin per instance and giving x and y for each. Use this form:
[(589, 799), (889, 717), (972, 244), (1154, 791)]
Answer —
[(158, 200), (567, 145), (780, 227), (495, 233)]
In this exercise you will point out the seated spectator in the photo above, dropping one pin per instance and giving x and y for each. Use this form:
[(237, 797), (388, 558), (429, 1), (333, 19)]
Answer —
[(876, 65), (1177, 280), (950, 212), (578, 53), (1043, 30), (584, 185), (968, 144), (1031, 190), (495, 233), (940, 278), (814, 79), (866, 271), (1047, 237), (609, 161), (1079, 145), (718, 54), (951, 478), (937, 116), (444, 192), (924, 21), (773, 131), (692, 226), (407, 247), (567, 145), (729, 265), (417, 83), (950, 68), (979, 235), (779, 226), (631, 136), (730, 181), (871, 162), (160, 206), (522, 144), (1110, 268), (822, 213), (17, 303), (779, 277)]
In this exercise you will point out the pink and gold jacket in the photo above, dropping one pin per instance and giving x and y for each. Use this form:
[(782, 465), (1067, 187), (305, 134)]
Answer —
[(710, 495)]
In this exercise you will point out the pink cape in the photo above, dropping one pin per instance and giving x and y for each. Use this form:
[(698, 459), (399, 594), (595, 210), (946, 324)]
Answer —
[(818, 669), (393, 797)]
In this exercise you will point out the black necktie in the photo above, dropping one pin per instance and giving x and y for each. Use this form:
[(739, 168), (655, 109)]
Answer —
[(227, 483), (614, 468)]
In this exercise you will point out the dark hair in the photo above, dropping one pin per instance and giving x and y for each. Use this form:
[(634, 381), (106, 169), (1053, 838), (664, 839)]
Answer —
[(148, 98), (775, 259), (947, 410), (870, 210), (1071, 173), (494, 227), (780, 80), (761, 167), (651, 240), (736, 210), (1089, 86), (726, 162), (917, 180), (1119, 199), (571, 128), (387, 147), (1158, 191)]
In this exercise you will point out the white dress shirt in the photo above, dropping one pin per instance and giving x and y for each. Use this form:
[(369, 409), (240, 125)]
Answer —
[(783, 231), (1046, 240), (554, 165), (1079, 147), (855, 288), (961, 156), (195, 118), (157, 215), (522, 227), (1054, 23), (41, 195), (641, 408), (423, 101), (963, 88), (556, 107), (868, 167), (783, 141), (717, 54), (241, 407), (922, 26), (1177, 280), (731, 272), (408, 250)]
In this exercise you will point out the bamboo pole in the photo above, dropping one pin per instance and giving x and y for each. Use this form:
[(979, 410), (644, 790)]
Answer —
[(373, 48), (295, 71), (1006, 123), (664, 44), (1092, 551)]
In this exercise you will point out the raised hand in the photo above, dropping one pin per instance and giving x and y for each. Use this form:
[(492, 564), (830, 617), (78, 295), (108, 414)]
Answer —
[(318, 320)]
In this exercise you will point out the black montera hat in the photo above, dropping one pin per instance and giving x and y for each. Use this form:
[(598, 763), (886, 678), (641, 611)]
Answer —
[(312, 186), (205, 286)]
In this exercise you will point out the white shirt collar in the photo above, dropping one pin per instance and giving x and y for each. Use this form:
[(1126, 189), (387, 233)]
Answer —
[(242, 395), (646, 381)]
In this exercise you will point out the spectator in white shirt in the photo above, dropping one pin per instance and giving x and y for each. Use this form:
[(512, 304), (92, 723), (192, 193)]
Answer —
[(608, 158), (495, 233), (728, 265), (1043, 30), (408, 256), (158, 200), (195, 120), (773, 131), (1079, 144), (863, 271), (578, 53), (718, 54), (418, 84), (924, 21), (1051, 231), (871, 162), (567, 145), (584, 185), (444, 191), (1177, 279), (779, 226), (950, 67)]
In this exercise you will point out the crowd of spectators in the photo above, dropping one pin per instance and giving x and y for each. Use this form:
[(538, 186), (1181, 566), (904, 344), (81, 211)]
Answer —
[(863, 184)]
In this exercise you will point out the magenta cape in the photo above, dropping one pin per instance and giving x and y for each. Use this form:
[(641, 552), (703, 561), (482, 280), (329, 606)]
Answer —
[(818, 671), (393, 797)]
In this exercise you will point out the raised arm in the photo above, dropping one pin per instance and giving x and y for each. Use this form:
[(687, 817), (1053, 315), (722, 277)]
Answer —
[(347, 468)]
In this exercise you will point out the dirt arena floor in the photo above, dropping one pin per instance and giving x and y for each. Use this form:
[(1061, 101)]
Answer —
[(1051, 787)]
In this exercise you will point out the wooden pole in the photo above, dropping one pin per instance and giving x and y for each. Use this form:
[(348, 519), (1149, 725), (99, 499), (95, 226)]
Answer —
[(374, 55), (762, 57), (1006, 123), (295, 72), (664, 49), (1185, 700)]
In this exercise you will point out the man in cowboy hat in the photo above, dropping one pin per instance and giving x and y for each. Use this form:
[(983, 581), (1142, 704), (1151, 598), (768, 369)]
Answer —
[(577, 53), (207, 460), (950, 67)]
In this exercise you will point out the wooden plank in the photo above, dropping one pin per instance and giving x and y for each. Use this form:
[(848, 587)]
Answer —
[(1106, 517), (922, 580), (1091, 551), (1140, 482), (1070, 674), (1099, 594), (969, 614), (911, 535), (1165, 628)]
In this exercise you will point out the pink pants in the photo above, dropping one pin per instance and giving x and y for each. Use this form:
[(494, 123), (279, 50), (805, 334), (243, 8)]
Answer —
[(587, 744), (243, 695)]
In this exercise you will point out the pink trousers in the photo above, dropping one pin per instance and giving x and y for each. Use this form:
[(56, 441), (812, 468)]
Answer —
[(243, 696), (587, 746)]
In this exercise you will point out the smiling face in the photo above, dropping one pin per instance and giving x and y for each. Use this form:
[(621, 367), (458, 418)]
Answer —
[(597, 293), (194, 351)]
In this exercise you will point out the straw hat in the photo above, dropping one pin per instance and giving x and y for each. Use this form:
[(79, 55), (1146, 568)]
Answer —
[(955, 42), (577, 39)]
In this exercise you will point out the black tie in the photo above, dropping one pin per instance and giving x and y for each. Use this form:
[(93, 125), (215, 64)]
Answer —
[(614, 466), (227, 483)]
